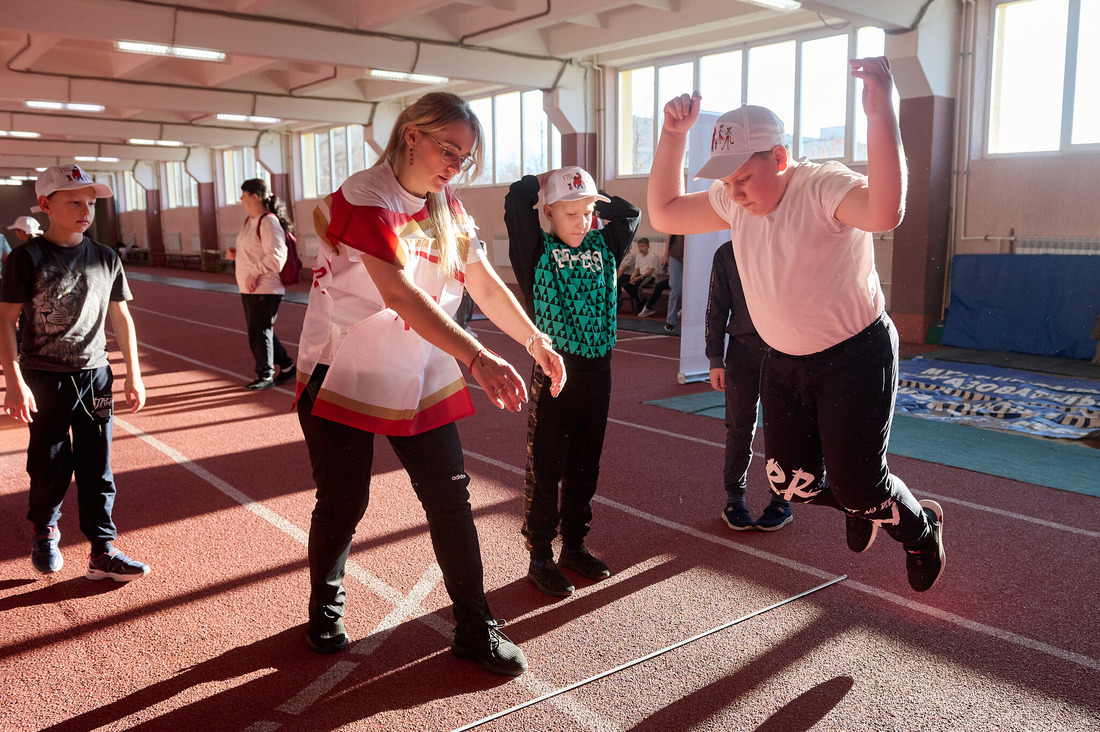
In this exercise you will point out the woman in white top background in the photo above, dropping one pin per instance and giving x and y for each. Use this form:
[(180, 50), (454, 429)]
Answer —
[(260, 255)]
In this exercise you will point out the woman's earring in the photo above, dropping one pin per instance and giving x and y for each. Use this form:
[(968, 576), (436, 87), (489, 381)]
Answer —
[(410, 157)]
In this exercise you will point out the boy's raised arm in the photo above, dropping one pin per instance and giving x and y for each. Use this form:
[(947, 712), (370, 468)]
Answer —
[(524, 233), (670, 209), (880, 205)]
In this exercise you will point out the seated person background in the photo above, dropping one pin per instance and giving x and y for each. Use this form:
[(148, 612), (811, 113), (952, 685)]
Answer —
[(646, 264)]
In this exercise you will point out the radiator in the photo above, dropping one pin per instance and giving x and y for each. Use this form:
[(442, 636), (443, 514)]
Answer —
[(1056, 245)]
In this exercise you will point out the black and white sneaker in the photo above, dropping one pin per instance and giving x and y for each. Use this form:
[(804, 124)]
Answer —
[(548, 578), (261, 383), (861, 533), (115, 565), (924, 561), (583, 563), (285, 374), (45, 556), (486, 645)]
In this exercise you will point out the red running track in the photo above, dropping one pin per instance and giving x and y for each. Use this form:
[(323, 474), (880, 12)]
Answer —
[(215, 494)]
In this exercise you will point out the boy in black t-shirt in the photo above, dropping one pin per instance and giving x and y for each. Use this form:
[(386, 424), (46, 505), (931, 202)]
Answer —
[(567, 277), (67, 284)]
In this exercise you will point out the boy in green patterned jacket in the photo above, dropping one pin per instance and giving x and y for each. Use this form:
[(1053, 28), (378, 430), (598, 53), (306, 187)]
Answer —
[(567, 277)]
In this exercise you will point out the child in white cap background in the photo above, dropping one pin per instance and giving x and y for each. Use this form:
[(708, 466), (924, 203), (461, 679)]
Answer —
[(804, 253), (568, 279), (67, 284)]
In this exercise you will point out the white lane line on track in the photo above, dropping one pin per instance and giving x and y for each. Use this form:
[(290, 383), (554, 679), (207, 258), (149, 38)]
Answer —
[(588, 718), (405, 609), (226, 328), (958, 620), (322, 685)]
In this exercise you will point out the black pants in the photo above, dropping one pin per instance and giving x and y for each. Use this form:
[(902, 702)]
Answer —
[(259, 315), (75, 403), (341, 458), (827, 420), (743, 365), (564, 442)]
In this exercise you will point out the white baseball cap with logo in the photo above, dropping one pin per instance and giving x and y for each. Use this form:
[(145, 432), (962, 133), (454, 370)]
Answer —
[(571, 184), (68, 178), (737, 136), (28, 225)]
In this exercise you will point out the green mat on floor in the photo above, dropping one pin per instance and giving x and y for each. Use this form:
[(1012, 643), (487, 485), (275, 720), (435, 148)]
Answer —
[(1052, 463)]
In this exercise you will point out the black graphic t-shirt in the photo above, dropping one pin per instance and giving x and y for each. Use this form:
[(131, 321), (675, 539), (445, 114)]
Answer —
[(65, 292)]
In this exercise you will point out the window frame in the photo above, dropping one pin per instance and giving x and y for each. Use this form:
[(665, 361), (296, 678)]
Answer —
[(1069, 88), (552, 153), (793, 127)]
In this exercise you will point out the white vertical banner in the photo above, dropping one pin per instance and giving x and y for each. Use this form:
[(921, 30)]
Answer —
[(698, 257)]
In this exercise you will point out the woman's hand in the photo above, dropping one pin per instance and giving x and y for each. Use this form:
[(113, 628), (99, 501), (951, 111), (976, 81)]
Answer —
[(499, 380), (551, 363)]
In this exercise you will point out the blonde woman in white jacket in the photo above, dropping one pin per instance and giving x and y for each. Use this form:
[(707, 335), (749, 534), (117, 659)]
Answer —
[(260, 255)]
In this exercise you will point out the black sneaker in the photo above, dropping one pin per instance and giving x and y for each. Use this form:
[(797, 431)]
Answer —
[(325, 633), (736, 516), (924, 562), (861, 533), (116, 565), (261, 384), (45, 556), (286, 374), (775, 517), (549, 579), (583, 563), (491, 648)]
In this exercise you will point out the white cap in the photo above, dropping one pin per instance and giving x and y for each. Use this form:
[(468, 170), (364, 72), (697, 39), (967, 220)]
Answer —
[(739, 134), (68, 178), (571, 184), (28, 225)]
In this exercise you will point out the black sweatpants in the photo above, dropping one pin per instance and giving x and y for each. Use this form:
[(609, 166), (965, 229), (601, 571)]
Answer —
[(341, 457), (564, 443), (827, 420)]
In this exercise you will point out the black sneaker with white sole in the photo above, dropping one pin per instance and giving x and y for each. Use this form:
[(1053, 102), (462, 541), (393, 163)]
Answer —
[(775, 517), (486, 645), (737, 517), (45, 555), (925, 560), (115, 565), (861, 533)]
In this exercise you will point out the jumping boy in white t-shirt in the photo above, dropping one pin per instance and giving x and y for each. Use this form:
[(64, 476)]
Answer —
[(804, 252)]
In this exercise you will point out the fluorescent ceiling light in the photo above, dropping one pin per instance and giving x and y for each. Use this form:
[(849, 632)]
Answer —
[(41, 170), (94, 159), (158, 49), (24, 177), (161, 143), (71, 106), (17, 133), (776, 4), (249, 118), (403, 76), (10, 182)]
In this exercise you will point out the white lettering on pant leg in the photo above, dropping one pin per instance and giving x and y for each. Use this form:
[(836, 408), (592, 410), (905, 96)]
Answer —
[(796, 489)]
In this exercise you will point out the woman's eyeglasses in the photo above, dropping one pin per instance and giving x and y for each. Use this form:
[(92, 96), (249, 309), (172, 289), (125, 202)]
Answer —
[(451, 156)]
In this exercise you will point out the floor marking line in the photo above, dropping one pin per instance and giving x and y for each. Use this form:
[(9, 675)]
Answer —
[(649, 656), (411, 604), (236, 331), (1010, 514), (321, 686)]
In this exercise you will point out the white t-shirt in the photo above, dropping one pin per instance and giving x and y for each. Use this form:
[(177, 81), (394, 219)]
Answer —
[(810, 281), (645, 262)]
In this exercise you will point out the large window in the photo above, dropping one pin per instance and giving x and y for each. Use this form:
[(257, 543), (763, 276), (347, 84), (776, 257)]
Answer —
[(805, 81), (181, 190), (134, 193), (329, 157), (1045, 86), (518, 138), (241, 165)]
